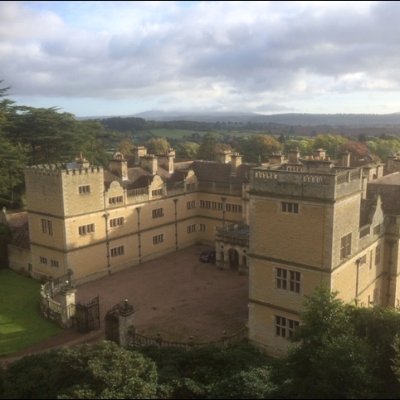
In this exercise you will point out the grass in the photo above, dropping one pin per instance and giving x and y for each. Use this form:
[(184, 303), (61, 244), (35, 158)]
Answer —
[(21, 324)]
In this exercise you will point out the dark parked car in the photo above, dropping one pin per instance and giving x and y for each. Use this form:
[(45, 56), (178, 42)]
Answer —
[(207, 256)]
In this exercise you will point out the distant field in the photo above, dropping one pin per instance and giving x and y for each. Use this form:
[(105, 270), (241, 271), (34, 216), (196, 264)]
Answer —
[(21, 325)]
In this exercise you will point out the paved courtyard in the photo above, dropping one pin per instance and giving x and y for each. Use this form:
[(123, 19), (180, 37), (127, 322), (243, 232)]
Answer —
[(177, 296)]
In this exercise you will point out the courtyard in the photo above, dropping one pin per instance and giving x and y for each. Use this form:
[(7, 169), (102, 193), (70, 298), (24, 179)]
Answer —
[(177, 296)]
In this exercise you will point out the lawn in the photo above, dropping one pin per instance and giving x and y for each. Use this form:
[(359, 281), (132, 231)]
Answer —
[(21, 324)]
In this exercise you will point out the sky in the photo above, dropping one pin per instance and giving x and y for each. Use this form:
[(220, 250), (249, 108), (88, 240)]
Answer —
[(122, 58)]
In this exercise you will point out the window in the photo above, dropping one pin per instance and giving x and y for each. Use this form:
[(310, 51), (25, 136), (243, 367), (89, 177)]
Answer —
[(84, 189), (292, 326), (116, 222), (285, 327), (54, 263), (378, 255), (191, 204), (191, 228), (345, 246), (294, 284), (202, 227), (157, 192), (236, 208), (116, 200), (117, 251), (191, 186), (205, 204), (280, 326), (281, 278), (289, 207), (47, 227), (85, 229), (158, 212), (43, 260), (158, 239)]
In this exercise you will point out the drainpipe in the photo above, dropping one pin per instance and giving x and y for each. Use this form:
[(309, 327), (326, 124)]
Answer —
[(139, 235), (358, 261), (176, 224), (106, 215)]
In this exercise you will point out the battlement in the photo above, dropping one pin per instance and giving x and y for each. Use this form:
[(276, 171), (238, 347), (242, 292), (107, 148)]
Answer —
[(320, 185), (61, 169)]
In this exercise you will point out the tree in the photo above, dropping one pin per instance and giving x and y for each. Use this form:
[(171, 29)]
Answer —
[(187, 150), (331, 143), (255, 383), (208, 148), (328, 360), (258, 148), (157, 146), (126, 147), (103, 370)]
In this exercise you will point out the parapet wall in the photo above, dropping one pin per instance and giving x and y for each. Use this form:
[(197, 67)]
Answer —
[(316, 185)]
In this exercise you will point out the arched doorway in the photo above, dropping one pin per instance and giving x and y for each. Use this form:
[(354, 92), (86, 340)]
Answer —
[(233, 259)]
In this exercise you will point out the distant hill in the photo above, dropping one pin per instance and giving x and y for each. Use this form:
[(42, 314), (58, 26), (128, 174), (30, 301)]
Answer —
[(291, 119)]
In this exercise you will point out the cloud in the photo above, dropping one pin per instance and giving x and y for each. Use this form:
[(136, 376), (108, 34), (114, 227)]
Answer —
[(251, 55)]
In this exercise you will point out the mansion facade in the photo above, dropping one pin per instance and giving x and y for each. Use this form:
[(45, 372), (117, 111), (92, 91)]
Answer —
[(292, 223), (88, 222)]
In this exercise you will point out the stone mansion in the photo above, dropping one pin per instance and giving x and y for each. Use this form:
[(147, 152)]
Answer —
[(292, 223)]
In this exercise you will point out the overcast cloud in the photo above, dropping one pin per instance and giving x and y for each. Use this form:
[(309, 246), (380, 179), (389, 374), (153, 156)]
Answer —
[(120, 58)]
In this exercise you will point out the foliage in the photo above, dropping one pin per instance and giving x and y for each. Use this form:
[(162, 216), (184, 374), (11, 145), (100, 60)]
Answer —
[(331, 143), (384, 147), (254, 383), (126, 147), (198, 373), (258, 148), (103, 370), (328, 359), (21, 324), (208, 148), (187, 150), (305, 145), (396, 358), (124, 124), (157, 146), (378, 326)]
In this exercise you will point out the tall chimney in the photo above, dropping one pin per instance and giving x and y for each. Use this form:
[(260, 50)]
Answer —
[(167, 161), (138, 152), (224, 156), (346, 159), (294, 156), (149, 163), (119, 166)]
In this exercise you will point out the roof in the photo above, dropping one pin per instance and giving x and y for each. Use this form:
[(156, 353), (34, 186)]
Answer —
[(391, 179), (218, 172)]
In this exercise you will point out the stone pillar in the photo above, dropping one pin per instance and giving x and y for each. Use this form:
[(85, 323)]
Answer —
[(125, 319), (67, 301)]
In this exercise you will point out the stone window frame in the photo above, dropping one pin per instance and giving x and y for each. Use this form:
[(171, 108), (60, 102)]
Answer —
[(117, 251), (86, 229), (157, 212), (47, 226), (84, 189), (288, 280), (345, 246), (115, 222), (285, 327), (158, 239), (288, 207)]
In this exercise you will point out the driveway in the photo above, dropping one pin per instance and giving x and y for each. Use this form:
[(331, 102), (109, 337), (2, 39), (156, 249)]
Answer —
[(177, 296)]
